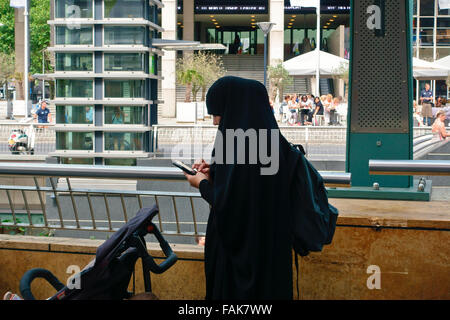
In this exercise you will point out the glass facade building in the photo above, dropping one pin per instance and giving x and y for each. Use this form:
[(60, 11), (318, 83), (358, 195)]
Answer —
[(431, 38), (106, 79)]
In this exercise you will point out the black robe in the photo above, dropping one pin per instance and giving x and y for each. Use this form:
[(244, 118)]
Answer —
[(248, 249)]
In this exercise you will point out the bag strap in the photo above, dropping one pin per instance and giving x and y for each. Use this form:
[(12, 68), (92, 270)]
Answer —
[(296, 268)]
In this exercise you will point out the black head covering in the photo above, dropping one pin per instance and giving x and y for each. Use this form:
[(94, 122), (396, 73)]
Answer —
[(248, 243)]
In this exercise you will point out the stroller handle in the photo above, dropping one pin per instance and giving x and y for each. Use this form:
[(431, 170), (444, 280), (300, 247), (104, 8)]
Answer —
[(30, 275), (171, 257)]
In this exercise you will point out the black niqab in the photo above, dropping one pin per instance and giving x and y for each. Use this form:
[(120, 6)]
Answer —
[(248, 250)]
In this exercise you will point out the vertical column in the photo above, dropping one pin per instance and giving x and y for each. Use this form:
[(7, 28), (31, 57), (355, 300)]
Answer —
[(276, 36), (188, 20), (436, 10), (19, 24), (168, 60)]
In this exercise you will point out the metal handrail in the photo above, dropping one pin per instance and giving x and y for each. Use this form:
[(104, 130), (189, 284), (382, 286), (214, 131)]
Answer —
[(61, 208), (410, 167), (422, 139), (122, 172)]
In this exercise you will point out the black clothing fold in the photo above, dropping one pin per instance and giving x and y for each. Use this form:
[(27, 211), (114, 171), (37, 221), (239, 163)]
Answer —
[(206, 191)]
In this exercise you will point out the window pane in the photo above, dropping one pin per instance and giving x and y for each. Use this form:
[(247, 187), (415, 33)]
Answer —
[(124, 8), (77, 161), (426, 54), (427, 7), (116, 141), (426, 37), (124, 88), (443, 32), (75, 114), (152, 64), (82, 35), (74, 88), (124, 35), (74, 62), (442, 53), (124, 115), (441, 88), (74, 140), (124, 62), (120, 162), (73, 8)]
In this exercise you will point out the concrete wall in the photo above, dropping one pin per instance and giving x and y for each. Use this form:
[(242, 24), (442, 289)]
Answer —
[(336, 46), (407, 241)]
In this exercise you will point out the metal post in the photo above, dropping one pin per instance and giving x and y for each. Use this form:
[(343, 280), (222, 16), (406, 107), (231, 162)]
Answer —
[(318, 50), (26, 59), (265, 59), (43, 72)]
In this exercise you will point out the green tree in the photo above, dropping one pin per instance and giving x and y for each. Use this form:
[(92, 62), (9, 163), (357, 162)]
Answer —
[(187, 74), (39, 34), (279, 78), (7, 30), (197, 71), (342, 72), (39, 31), (6, 69), (210, 67)]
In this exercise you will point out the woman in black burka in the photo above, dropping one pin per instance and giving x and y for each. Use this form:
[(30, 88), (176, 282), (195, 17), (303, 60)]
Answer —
[(248, 248)]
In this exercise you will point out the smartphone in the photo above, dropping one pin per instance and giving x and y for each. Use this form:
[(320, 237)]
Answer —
[(184, 167)]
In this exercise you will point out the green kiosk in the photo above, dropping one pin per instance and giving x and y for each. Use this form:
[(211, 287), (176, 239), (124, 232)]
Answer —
[(380, 98)]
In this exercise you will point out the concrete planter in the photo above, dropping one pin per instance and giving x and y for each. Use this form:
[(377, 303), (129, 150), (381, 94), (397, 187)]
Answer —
[(186, 111), (201, 110)]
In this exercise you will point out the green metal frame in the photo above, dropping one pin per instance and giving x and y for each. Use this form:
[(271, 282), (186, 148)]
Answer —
[(394, 146)]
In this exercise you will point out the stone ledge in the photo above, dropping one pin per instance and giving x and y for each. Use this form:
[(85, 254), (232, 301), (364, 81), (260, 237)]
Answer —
[(392, 213), (75, 245)]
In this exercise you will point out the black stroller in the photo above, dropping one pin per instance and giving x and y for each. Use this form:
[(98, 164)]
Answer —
[(107, 277)]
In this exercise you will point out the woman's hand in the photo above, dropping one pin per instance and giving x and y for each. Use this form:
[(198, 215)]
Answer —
[(194, 181), (203, 167)]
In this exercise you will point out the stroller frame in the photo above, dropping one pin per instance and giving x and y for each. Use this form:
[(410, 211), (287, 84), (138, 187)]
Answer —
[(108, 276)]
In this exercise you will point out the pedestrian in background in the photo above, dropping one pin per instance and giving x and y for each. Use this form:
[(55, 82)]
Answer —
[(426, 97)]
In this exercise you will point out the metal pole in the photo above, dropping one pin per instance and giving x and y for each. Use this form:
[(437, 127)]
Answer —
[(26, 59), (318, 50), (43, 72), (265, 59)]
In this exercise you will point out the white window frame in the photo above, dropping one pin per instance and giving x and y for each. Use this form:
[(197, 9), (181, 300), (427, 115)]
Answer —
[(77, 150), (111, 125), (89, 72), (126, 18), (86, 45), (78, 125), (118, 72), (81, 98), (91, 18), (122, 151), (122, 99), (122, 45)]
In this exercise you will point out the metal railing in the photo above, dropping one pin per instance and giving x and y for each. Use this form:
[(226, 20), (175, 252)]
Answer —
[(43, 139), (410, 167), (320, 142), (72, 208)]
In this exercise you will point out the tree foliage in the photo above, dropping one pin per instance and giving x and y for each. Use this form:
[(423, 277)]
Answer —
[(39, 31), (197, 71), (7, 69), (279, 79)]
